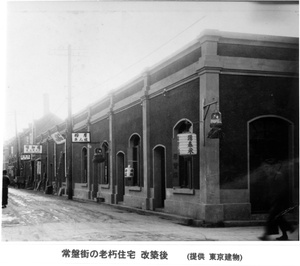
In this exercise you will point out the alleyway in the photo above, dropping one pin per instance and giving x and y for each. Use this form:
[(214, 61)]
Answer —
[(34, 216)]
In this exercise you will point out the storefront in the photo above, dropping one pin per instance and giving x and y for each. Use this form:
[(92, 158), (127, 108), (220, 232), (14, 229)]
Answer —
[(196, 134)]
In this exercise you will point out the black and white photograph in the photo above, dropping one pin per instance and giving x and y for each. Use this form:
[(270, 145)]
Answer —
[(150, 132)]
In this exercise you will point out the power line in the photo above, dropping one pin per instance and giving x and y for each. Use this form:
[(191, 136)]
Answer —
[(143, 58), (130, 66)]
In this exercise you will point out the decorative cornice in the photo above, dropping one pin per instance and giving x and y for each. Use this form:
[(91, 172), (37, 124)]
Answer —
[(223, 64)]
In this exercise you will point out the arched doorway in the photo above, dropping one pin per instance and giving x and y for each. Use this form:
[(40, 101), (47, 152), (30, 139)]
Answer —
[(84, 165), (120, 176), (159, 176), (96, 174), (270, 153)]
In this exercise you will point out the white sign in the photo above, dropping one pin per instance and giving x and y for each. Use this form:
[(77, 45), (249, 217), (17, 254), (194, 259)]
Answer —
[(58, 138), (32, 148), (39, 167), (187, 144), (81, 137), (25, 157)]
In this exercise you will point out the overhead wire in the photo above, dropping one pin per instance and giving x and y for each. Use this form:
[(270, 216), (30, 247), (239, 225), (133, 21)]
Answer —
[(130, 66), (140, 60)]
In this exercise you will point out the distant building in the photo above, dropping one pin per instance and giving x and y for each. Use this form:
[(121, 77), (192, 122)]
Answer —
[(197, 129), (14, 161)]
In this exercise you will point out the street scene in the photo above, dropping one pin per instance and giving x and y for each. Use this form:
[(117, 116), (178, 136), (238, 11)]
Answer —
[(34, 216), (154, 132), (161, 123)]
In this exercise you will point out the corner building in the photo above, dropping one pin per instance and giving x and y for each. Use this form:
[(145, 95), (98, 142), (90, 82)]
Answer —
[(250, 80)]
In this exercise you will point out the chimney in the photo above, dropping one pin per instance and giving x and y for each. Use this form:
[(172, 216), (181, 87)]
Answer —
[(46, 104)]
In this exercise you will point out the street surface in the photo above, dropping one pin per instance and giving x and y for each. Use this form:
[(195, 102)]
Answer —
[(35, 216)]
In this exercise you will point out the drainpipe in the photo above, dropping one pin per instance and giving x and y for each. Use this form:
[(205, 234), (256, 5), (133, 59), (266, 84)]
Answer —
[(112, 150), (89, 181)]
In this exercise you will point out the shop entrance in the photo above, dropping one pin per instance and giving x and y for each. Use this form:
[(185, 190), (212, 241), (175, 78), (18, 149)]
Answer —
[(270, 146), (159, 175), (120, 176)]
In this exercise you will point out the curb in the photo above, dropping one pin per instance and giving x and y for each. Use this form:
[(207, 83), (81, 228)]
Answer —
[(181, 219), (175, 218)]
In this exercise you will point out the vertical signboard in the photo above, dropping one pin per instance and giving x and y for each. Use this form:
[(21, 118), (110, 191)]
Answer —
[(187, 144), (39, 167)]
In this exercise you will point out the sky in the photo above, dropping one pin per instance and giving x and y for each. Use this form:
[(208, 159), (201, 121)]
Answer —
[(111, 43)]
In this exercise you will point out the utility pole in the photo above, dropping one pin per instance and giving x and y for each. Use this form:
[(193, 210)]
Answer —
[(69, 129), (18, 148), (68, 145)]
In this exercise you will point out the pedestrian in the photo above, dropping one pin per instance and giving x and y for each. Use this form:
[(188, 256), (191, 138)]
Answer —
[(5, 184), (279, 201)]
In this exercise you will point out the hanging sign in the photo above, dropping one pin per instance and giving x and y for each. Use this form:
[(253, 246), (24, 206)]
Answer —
[(81, 137), (25, 157), (216, 119), (187, 144), (32, 148), (98, 156), (129, 171), (58, 138)]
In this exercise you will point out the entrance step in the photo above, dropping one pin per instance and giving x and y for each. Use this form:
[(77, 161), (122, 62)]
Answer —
[(241, 223), (160, 210), (259, 216), (159, 213)]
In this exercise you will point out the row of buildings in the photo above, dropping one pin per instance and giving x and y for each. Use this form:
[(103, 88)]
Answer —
[(202, 131)]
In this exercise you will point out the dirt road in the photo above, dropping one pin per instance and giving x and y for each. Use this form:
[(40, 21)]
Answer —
[(34, 216)]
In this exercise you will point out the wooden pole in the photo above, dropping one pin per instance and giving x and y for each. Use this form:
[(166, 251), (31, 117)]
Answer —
[(69, 130)]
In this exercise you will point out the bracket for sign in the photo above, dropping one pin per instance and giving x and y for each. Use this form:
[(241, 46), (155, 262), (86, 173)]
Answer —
[(205, 109)]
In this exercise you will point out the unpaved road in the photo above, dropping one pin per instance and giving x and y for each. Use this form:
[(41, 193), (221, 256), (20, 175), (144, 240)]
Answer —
[(34, 216)]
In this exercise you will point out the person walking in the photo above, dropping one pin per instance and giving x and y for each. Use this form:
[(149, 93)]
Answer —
[(279, 202), (5, 184)]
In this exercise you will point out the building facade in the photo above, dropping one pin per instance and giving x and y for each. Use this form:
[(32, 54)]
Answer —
[(197, 130), (23, 168)]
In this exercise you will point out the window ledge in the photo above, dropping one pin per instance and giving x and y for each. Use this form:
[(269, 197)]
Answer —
[(84, 184), (135, 188), (185, 191), (105, 186)]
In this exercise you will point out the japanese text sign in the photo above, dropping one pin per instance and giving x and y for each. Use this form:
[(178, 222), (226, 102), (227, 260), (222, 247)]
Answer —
[(25, 157), (32, 148), (187, 144), (81, 137)]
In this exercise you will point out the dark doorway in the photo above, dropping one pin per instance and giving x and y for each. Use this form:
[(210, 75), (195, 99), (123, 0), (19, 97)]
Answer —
[(120, 176), (159, 182), (269, 152)]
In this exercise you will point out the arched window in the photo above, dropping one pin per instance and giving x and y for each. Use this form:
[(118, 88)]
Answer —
[(134, 158), (182, 165), (105, 164), (84, 165)]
